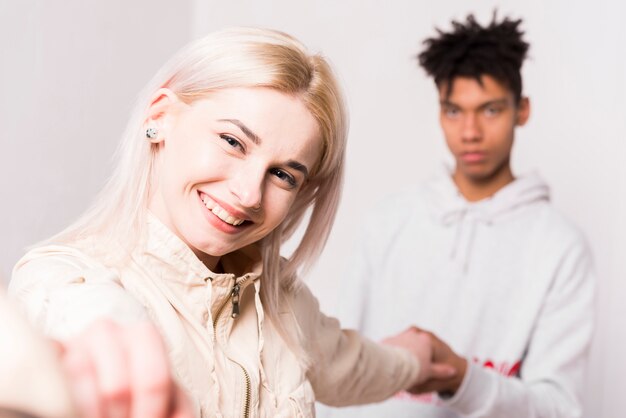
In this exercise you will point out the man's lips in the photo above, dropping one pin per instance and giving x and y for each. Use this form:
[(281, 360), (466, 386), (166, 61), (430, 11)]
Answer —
[(473, 156)]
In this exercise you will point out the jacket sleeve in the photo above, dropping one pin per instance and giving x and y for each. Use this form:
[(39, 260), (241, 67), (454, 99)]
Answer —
[(31, 377), (346, 368), (552, 374), (61, 291)]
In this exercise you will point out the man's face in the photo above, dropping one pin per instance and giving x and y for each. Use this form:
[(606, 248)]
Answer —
[(479, 123)]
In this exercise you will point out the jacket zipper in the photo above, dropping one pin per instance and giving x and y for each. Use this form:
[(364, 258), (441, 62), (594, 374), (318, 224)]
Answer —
[(234, 297), (246, 405)]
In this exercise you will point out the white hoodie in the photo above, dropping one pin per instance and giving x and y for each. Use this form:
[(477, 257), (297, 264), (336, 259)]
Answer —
[(505, 281)]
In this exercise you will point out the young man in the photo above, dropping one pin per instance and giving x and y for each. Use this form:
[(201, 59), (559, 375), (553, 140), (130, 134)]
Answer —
[(478, 256)]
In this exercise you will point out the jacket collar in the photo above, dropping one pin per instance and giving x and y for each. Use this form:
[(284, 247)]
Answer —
[(168, 257)]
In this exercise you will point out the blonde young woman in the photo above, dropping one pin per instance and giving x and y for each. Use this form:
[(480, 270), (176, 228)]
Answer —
[(229, 146)]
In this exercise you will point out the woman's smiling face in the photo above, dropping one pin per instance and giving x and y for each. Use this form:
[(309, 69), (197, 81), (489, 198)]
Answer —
[(230, 165)]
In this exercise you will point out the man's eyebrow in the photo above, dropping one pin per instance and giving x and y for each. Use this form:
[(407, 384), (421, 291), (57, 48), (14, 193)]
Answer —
[(495, 102), (298, 166), (253, 137), (502, 101)]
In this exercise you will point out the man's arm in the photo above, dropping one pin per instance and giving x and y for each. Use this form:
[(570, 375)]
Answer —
[(552, 374)]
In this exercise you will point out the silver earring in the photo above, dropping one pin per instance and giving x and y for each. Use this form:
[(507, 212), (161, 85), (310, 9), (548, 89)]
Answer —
[(152, 133)]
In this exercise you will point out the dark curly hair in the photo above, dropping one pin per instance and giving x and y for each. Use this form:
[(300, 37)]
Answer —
[(471, 50)]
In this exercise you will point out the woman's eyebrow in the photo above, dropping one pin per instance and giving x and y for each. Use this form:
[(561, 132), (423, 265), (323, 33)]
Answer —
[(247, 131), (298, 166), (255, 138)]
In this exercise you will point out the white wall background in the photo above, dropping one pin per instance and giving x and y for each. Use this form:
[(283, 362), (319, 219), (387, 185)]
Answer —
[(69, 73), (70, 70)]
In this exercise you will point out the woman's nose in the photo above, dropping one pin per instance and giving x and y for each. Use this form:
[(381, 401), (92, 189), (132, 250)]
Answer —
[(247, 187)]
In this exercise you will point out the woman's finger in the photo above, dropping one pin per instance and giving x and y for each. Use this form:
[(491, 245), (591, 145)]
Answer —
[(104, 341), (152, 382), (442, 371), (83, 381)]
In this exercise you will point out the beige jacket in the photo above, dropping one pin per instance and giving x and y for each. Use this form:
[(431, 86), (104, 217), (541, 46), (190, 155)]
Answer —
[(231, 367), (31, 378)]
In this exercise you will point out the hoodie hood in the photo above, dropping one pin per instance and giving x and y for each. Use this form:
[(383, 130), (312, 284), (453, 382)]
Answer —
[(448, 207)]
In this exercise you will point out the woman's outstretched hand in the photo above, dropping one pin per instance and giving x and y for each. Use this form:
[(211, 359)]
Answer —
[(120, 371)]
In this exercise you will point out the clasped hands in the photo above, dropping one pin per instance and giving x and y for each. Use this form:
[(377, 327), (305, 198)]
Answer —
[(442, 370)]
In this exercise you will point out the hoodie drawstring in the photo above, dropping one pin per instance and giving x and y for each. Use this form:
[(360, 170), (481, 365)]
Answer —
[(466, 224), (450, 208)]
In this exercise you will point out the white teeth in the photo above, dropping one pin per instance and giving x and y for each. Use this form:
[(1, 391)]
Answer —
[(221, 212), (208, 202)]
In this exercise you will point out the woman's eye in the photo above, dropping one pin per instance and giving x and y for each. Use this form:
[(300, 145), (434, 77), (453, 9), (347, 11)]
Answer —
[(284, 176), (232, 141)]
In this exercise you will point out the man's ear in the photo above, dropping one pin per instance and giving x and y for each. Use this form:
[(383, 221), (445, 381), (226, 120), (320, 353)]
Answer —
[(160, 115), (523, 111)]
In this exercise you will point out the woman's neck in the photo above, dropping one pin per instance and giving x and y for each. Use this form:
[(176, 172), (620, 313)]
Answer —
[(210, 261)]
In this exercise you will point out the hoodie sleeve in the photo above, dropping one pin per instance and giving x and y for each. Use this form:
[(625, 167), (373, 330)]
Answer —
[(346, 368), (552, 375), (62, 291)]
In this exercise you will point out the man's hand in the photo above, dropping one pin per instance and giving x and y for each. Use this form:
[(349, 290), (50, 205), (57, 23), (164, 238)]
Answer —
[(442, 354), (122, 372), (420, 345)]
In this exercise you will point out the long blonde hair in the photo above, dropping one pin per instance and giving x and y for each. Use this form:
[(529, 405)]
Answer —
[(239, 57)]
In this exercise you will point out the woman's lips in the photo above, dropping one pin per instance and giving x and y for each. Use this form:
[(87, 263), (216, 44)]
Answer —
[(220, 212), (220, 218)]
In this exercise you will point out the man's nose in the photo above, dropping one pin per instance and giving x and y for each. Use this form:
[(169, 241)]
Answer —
[(471, 128)]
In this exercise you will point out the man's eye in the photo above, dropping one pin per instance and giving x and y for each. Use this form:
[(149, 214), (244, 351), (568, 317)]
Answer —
[(231, 141), (283, 176), (492, 111), (451, 112)]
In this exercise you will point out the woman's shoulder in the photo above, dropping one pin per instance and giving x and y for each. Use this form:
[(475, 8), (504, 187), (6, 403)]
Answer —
[(62, 289), (305, 308), (62, 253), (55, 263)]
